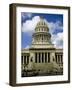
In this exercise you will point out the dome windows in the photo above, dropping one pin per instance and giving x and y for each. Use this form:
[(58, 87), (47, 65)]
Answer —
[(42, 23), (41, 26)]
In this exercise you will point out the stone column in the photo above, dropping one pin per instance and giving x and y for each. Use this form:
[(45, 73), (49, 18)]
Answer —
[(23, 59), (34, 57), (40, 57), (26, 59), (51, 57), (23, 63), (60, 58), (47, 57), (57, 58), (37, 57)]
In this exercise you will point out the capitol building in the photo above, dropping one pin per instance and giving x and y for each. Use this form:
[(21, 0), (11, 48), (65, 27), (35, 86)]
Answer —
[(42, 58)]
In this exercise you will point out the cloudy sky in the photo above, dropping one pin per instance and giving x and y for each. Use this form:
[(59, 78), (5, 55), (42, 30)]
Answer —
[(29, 21)]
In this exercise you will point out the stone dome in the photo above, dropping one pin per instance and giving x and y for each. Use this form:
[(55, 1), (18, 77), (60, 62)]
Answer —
[(41, 23), (41, 38), (41, 26)]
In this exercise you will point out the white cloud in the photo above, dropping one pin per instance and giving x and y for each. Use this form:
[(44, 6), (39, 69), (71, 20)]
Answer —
[(24, 15), (30, 25), (54, 26), (57, 40), (27, 47)]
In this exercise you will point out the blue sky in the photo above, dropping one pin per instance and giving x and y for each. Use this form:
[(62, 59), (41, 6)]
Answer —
[(29, 21)]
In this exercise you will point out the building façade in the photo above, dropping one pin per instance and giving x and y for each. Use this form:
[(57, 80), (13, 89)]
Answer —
[(42, 58)]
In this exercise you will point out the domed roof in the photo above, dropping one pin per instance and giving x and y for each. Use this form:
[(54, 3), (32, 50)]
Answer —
[(41, 23)]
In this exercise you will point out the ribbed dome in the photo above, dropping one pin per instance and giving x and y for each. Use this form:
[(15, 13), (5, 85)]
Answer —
[(41, 23), (41, 36), (41, 26)]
